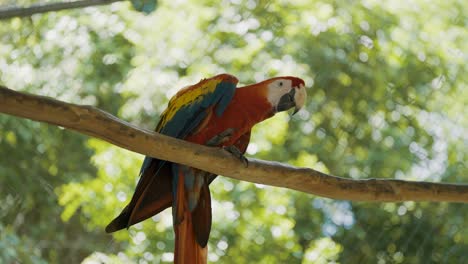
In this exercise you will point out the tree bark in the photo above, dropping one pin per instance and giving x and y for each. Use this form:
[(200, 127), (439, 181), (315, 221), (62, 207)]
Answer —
[(97, 123), (9, 12)]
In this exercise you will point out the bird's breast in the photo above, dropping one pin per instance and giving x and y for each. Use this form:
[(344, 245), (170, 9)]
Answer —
[(240, 116)]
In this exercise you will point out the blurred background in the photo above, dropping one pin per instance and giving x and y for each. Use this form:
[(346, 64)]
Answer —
[(388, 98)]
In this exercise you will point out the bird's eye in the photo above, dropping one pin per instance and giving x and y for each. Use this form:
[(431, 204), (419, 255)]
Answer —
[(280, 83)]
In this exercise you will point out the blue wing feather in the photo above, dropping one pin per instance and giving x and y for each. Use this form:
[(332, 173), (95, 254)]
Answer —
[(188, 117), (223, 101)]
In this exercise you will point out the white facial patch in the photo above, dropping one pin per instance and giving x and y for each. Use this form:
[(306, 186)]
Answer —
[(278, 88)]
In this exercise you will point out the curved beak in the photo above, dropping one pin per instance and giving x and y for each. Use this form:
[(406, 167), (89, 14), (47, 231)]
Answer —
[(294, 98)]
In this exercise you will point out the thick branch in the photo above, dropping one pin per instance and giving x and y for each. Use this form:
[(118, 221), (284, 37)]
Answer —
[(9, 12), (99, 124)]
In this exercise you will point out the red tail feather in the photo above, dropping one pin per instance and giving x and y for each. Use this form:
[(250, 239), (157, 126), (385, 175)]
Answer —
[(187, 250)]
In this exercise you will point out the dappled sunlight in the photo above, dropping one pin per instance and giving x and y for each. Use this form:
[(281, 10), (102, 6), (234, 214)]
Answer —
[(323, 250)]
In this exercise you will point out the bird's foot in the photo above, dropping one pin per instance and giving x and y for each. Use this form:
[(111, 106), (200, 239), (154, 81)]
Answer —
[(220, 138), (238, 154)]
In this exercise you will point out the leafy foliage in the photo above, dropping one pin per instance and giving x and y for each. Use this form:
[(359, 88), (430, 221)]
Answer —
[(388, 92)]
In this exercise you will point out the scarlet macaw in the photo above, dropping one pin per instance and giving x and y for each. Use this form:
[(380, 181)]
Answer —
[(212, 112)]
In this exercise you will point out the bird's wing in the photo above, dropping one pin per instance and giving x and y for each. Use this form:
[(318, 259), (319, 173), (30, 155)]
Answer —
[(186, 111)]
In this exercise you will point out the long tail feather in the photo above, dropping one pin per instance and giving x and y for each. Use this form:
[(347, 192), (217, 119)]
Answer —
[(187, 249), (152, 195), (201, 216)]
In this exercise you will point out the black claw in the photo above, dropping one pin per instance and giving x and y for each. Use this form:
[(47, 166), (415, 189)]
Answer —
[(238, 154)]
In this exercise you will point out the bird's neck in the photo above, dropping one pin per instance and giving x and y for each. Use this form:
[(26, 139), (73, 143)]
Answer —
[(254, 101)]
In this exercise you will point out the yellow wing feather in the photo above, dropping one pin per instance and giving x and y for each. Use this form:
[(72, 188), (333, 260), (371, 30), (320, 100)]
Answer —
[(191, 94)]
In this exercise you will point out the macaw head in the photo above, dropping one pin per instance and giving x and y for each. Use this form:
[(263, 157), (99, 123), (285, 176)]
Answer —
[(287, 92)]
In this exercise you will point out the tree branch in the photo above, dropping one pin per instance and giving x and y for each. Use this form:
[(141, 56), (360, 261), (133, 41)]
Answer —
[(97, 123), (9, 12)]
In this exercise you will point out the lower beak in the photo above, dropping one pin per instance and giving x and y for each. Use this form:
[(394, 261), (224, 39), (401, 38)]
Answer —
[(296, 109)]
